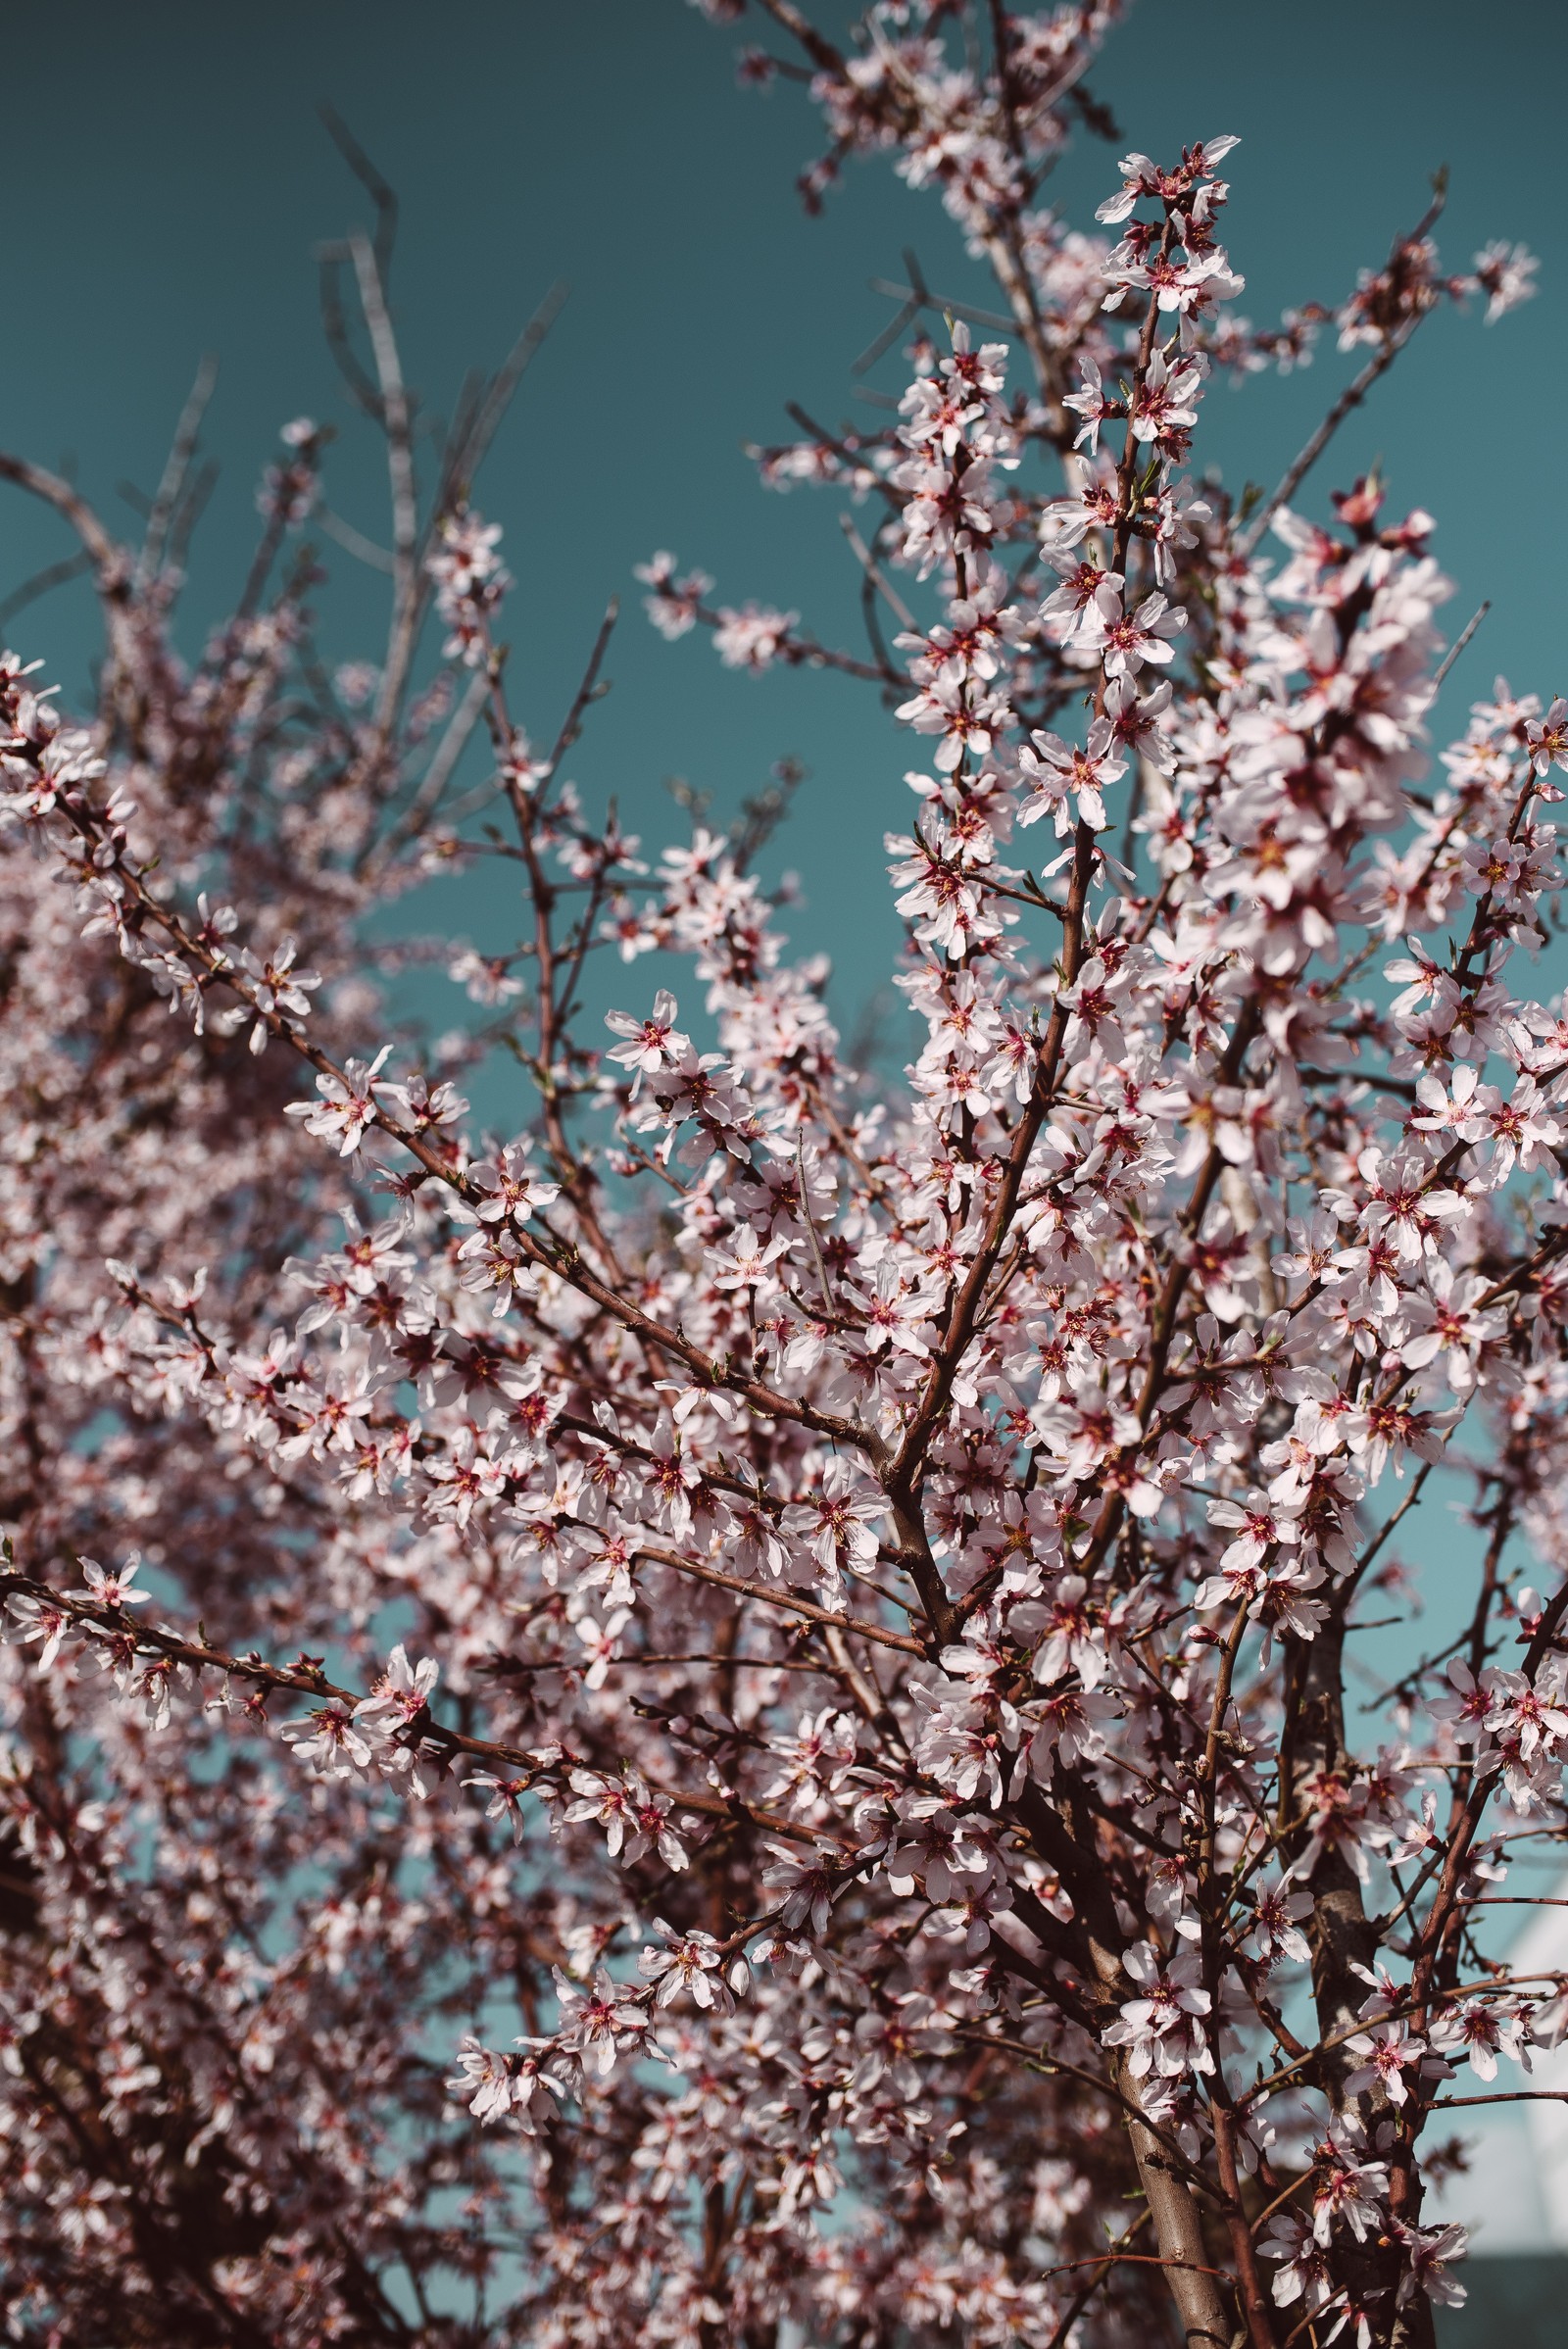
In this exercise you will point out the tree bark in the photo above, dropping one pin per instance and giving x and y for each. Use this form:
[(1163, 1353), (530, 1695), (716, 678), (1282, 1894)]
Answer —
[(1178, 2231)]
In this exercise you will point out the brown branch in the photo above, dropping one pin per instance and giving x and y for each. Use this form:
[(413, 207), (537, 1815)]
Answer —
[(1350, 397), (427, 1732)]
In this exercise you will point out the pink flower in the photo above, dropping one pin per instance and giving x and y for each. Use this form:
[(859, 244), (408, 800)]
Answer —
[(1386, 2053), (1125, 642), (348, 1105), (112, 1588)]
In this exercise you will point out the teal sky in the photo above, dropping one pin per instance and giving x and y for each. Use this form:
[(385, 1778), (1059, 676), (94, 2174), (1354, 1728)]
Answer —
[(168, 178)]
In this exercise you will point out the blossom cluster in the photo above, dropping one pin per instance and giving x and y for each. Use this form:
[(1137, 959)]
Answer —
[(737, 1700)]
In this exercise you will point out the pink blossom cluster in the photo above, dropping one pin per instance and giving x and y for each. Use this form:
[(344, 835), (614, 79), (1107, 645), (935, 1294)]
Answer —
[(733, 1708)]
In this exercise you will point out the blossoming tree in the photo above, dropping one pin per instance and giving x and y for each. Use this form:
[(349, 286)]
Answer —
[(720, 1717)]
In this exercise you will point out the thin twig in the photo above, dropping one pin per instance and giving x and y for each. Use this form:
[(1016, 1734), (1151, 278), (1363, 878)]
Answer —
[(588, 690), (439, 772), (1350, 397), (54, 574), (397, 425), (803, 1607), (1459, 642), (380, 190), (1107, 2260), (498, 399), (1353, 395), (877, 576), (178, 465), (811, 1219), (354, 542)]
